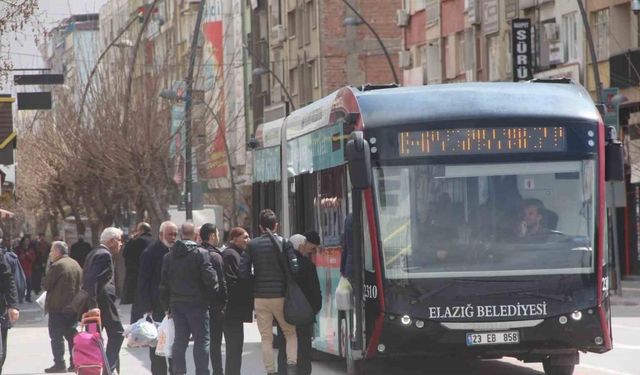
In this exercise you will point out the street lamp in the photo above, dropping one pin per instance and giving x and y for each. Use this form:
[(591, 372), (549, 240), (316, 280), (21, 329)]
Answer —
[(352, 21), (260, 70)]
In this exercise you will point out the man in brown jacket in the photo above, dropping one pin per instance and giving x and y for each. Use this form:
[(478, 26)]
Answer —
[(62, 283)]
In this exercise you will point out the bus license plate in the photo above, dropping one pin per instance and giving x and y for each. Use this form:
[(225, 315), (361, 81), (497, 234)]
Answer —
[(493, 338)]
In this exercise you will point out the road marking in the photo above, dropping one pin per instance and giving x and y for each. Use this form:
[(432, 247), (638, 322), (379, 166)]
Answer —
[(606, 371), (625, 327), (634, 289), (624, 346)]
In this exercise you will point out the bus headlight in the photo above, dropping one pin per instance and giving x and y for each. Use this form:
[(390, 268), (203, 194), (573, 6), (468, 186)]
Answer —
[(576, 315), (406, 320), (419, 323), (563, 319)]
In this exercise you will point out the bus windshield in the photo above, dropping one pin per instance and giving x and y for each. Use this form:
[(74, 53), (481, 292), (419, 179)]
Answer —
[(486, 220)]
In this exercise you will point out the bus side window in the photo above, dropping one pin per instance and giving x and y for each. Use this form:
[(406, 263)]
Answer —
[(368, 260)]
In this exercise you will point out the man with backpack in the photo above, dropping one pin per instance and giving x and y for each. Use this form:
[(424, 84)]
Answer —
[(8, 306), (309, 283), (269, 287), (13, 263), (209, 237), (187, 283)]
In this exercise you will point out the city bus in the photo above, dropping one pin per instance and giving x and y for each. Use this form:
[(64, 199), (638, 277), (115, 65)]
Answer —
[(469, 218)]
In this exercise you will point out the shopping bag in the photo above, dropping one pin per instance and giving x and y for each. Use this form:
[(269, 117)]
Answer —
[(142, 333), (42, 300), (166, 335), (344, 295)]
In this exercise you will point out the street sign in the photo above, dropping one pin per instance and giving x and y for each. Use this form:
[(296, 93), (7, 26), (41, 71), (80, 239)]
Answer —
[(610, 117), (34, 100), (38, 79), (521, 49)]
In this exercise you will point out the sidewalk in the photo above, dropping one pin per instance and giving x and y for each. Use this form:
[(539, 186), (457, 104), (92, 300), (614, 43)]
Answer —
[(626, 303), (29, 350)]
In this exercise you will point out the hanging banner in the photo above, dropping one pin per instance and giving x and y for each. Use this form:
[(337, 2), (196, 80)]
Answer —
[(213, 55), (521, 45)]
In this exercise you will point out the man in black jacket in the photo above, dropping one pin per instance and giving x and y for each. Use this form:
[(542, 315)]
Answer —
[(98, 282), (187, 283), (309, 283), (269, 287), (8, 306), (131, 254), (209, 237), (80, 250), (149, 274), (240, 300)]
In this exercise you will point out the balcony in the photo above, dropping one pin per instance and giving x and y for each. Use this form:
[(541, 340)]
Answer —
[(624, 69)]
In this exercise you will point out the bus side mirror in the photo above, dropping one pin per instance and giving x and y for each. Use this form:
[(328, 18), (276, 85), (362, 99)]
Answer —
[(613, 156), (359, 159)]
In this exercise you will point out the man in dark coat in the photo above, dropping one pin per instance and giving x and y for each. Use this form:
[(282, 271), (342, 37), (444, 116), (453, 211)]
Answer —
[(62, 282), (240, 300), (269, 284), (309, 283), (188, 281), (149, 275), (209, 237), (131, 254), (9, 312), (98, 282), (80, 250)]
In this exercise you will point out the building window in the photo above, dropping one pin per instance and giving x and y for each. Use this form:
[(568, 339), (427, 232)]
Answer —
[(434, 64), (291, 26), (460, 50), (293, 81), (312, 13), (570, 36), (305, 25), (493, 50), (600, 25), (433, 11), (314, 73)]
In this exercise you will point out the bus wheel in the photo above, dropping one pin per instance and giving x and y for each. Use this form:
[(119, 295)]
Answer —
[(550, 369)]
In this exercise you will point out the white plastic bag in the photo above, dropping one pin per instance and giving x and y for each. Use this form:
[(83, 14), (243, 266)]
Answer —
[(141, 334), (344, 294), (166, 335), (42, 299)]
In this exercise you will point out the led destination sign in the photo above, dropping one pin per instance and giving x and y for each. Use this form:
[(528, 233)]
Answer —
[(482, 141)]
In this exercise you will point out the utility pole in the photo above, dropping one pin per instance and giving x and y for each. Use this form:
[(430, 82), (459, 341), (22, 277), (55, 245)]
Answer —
[(188, 181)]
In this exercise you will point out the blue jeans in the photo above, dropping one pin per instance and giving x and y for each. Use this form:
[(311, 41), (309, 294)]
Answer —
[(191, 321), (61, 326)]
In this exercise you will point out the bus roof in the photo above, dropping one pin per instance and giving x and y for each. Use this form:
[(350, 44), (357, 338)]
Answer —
[(475, 101)]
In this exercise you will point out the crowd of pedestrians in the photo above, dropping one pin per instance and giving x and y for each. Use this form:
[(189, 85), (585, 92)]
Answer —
[(209, 289)]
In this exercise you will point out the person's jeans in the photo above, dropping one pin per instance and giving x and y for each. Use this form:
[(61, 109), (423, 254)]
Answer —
[(61, 326), (114, 342), (304, 334), (3, 343), (216, 324), (267, 309), (234, 340), (190, 320), (158, 363)]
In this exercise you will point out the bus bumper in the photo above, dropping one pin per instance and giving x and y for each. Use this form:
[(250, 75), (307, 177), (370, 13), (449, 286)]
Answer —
[(548, 337)]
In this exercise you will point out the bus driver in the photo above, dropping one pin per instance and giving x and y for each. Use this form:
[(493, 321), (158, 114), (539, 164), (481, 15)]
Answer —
[(532, 218)]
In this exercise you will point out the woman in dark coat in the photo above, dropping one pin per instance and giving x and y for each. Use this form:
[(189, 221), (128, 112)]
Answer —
[(240, 300)]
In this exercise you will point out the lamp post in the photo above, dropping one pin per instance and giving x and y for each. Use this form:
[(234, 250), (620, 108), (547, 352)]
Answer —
[(263, 70), (351, 21), (188, 98)]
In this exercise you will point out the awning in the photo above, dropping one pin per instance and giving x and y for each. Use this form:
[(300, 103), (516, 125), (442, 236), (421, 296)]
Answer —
[(4, 214)]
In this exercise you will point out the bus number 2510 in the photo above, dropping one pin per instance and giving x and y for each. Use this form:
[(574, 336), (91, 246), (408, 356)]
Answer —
[(370, 291)]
